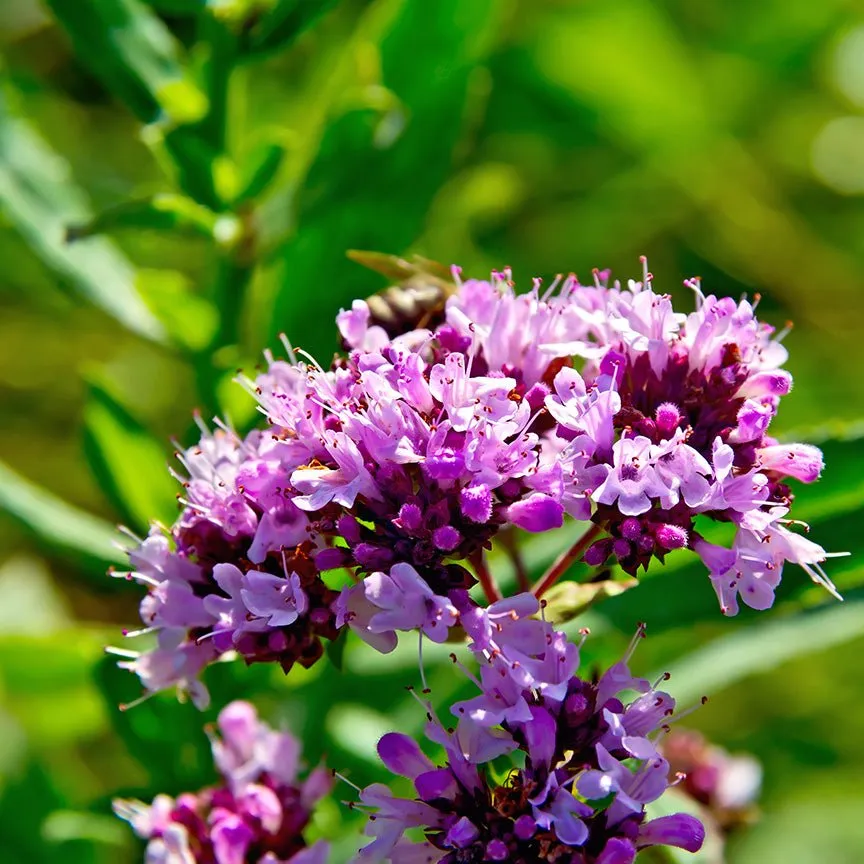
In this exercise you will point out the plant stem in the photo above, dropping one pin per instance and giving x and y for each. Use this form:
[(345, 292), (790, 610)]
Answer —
[(507, 539), (564, 560), (484, 576)]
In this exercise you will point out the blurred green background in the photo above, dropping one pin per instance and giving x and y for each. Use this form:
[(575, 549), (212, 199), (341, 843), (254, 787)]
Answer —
[(235, 149)]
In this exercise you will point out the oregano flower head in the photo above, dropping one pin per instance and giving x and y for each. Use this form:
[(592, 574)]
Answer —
[(395, 468)]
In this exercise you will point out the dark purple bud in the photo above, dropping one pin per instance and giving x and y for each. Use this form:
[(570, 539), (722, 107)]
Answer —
[(277, 641), (496, 850), (631, 528), (524, 827), (410, 518), (622, 549), (349, 528), (372, 557), (330, 559), (645, 543), (446, 538), (577, 708), (671, 537), (597, 553)]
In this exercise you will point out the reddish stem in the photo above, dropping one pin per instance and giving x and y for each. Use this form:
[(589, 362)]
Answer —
[(565, 559), (484, 577), (507, 538)]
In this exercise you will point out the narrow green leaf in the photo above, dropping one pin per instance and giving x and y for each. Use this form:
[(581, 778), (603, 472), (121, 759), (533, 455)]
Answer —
[(61, 826), (750, 650), (134, 55), (162, 212), (130, 465), (285, 22), (40, 198), (58, 524), (263, 165), (177, 7)]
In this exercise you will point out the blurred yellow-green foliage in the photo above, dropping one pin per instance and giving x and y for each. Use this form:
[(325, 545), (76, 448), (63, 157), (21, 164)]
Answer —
[(721, 138)]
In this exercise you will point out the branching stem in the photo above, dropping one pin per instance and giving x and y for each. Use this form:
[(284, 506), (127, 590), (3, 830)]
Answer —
[(564, 560)]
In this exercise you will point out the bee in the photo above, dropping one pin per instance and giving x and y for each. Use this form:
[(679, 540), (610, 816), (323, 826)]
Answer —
[(417, 298)]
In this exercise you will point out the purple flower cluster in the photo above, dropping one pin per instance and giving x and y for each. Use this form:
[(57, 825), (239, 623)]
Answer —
[(583, 764), (255, 816), (402, 461)]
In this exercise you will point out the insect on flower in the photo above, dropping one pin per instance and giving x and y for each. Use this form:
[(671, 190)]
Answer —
[(418, 298)]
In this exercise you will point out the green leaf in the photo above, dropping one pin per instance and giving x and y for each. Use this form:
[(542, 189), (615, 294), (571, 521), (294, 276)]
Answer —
[(358, 729), (134, 55), (40, 198), (336, 650), (41, 672), (178, 7), (388, 160), (61, 826), (130, 465), (263, 165), (58, 524), (567, 600), (750, 650), (162, 212), (189, 319), (285, 22)]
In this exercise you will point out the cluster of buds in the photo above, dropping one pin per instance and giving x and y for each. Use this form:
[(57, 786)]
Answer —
[(366, 501)]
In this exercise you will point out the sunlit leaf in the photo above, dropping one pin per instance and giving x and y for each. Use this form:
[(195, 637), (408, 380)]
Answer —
[(40, 198), (59, 525), (134, 55), (130, 465), (162, 212), (567, 600), (285, 22), (40, 672), (760, 648), (189, 319)]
